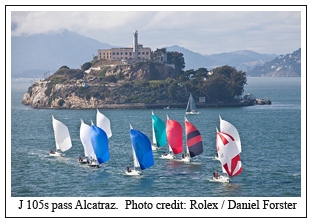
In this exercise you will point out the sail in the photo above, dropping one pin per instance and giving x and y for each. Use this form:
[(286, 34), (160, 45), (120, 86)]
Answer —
[(191, 104), (103, 123), (85, 131), (228, 150), (61, 134), (231, 130), (142, 148), (193, 139), (174, 134), (159, 131), (99, 143)]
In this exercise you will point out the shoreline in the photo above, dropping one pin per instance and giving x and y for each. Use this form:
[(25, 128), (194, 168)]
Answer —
[(142, 106)]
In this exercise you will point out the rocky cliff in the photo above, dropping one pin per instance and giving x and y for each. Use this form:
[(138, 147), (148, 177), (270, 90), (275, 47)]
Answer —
[(104, 85)]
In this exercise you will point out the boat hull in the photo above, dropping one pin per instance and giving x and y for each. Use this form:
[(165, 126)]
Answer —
[(84, 161), (167, 156), (133, 173), (94, 165), (56, 154), (186, 159), (192, 112), (222, 179)]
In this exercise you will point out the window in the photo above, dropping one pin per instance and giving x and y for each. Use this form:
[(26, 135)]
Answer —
[(126, 57), (114, 54), (143, 52), (117, 53), (120, 53), (139, 52), (126, 53), (147, 53), (130, 53)]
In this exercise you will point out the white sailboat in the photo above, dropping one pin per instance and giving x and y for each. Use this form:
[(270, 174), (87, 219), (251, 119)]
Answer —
[(136, 164), (228, 148), (191, 107), (86, 142), (62, 138)]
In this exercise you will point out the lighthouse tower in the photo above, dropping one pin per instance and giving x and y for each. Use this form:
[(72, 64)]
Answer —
[(135, 45)]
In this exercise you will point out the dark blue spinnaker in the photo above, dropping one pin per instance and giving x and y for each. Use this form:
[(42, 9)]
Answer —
[(142, 147)]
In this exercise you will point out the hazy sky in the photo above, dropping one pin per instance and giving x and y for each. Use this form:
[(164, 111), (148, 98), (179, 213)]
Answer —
[(207, 30)]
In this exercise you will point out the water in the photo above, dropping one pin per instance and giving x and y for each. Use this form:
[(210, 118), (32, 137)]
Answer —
[(270, 136)]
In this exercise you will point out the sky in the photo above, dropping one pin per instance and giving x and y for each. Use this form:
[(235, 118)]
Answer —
[(206, 30)]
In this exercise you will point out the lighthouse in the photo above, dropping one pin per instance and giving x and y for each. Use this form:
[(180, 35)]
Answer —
[(135, 45)]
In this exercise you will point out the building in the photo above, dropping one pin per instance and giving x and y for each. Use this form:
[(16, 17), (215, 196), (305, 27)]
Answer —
[(135, 52)]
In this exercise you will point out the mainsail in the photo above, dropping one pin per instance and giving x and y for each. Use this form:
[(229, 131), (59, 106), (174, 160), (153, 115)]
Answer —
[(191, 104), (99, 143), (61, 134), (228, 150), (85, 131), (159, 131), (142, 149), (104, 123), (193, 139), (174, 133)]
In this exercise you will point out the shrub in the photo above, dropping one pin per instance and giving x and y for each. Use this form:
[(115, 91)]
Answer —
[(60, 102), (86, 66)]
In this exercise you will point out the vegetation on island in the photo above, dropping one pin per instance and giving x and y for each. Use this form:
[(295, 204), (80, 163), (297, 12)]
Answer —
[(117, 86)]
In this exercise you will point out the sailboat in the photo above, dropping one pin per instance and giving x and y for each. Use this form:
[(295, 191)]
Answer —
[(174, 137), (159, 132), (141, 151), (104, 123), (99, 143), (228, 147), (85, 131), (62, 138), (194, 144), (191, 107)]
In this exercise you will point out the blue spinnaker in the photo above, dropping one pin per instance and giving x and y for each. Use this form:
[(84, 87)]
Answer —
[(160, 131), (99, 143), (142, 148)]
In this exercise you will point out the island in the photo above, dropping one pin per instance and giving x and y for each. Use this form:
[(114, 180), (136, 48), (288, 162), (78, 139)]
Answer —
[(144, 84)]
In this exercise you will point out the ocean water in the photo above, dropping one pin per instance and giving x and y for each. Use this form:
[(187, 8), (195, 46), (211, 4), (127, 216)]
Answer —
[(270, 137)]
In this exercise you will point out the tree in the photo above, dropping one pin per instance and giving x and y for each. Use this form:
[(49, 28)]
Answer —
[(225, 84), (86, 66), (187, 75), (200, 74), (173, 91), (177, 59)]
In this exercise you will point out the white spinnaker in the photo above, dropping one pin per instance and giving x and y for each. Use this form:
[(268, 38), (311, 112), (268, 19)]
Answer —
[(226, 151), (61, 134), (85, 138), (228, 128), (104, 123)]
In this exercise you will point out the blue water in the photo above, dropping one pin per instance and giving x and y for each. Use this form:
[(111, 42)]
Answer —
[(270, 136)]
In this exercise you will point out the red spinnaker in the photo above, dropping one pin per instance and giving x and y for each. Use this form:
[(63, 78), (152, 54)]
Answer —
[(174, 133)]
